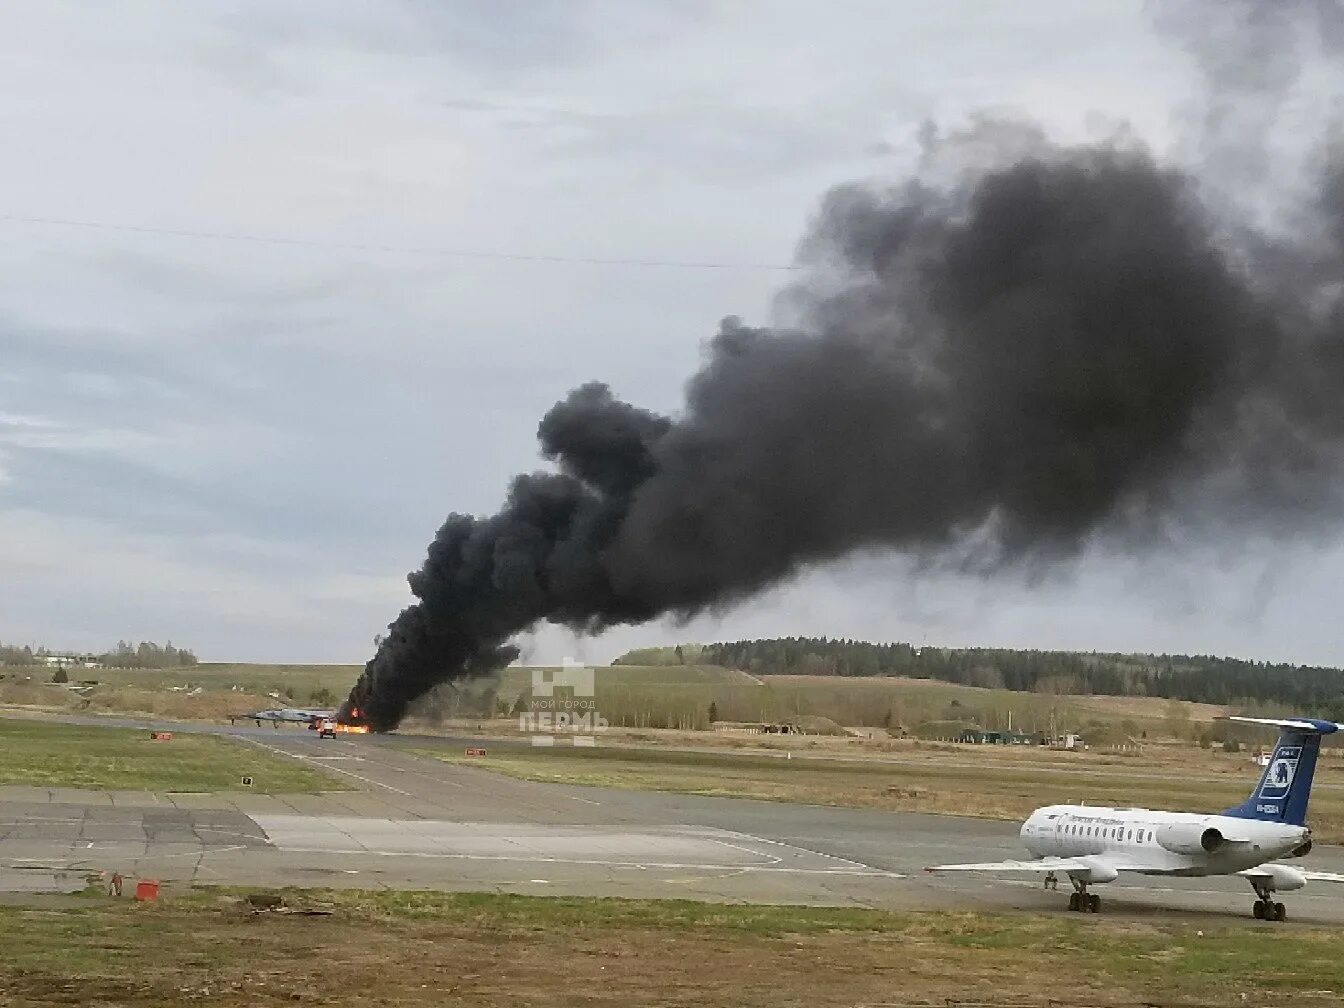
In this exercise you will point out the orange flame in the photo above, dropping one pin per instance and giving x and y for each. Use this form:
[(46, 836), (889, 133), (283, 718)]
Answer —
[(353, 729)]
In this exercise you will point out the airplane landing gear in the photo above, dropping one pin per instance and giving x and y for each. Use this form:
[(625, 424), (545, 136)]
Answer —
[(1270, 911), (1265, 908), (1081, 900), (1051, 880)]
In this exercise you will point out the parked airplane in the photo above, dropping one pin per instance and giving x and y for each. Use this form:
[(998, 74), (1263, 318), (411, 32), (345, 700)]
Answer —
[(1093, 845)]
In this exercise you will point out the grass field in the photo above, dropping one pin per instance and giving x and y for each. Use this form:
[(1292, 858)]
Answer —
[(636, 696), (480, 949), (202, 692), (936, 782), (262, 679), (679, 696), (48, 755)]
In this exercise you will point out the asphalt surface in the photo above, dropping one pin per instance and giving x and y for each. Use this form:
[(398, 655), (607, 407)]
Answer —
[(454, 743), (415, 822)]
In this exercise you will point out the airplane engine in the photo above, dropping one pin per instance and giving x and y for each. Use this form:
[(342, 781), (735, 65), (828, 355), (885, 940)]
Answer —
[(1191, 838), (1282, 878), (1097, 873)]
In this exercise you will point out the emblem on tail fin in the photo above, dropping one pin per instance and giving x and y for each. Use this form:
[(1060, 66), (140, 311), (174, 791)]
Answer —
[(1283, 792), (1279, 777)]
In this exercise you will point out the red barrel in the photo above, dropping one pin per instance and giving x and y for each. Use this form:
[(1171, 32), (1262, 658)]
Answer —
[(146, 890)]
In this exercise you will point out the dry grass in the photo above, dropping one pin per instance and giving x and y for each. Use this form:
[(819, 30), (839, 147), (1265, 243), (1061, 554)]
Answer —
[(178, 705), (224, 689), (479, 950), (676, 695), (49, 755), (641, 697)]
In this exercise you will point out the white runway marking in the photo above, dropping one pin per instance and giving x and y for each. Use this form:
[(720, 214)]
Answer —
[(333, 769), (814, 853), (640, 866), (135, 851), (678, 848)]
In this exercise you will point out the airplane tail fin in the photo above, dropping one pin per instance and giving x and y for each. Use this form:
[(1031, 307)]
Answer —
[(1285, 787)]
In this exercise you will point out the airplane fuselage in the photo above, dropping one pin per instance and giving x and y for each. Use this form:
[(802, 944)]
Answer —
[(298, 715), (1092, 845), (1148, 841)]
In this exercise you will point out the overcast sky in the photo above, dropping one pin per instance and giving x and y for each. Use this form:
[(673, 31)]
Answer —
[(244, 445)]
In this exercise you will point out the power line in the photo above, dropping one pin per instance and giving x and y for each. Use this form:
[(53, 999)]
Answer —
[(399, 249)]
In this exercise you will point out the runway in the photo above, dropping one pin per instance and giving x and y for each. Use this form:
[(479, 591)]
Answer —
[(416, 822)]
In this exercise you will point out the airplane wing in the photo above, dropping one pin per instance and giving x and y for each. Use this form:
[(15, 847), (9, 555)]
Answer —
[(1309, 876), (1294, 724), (1048, 864)]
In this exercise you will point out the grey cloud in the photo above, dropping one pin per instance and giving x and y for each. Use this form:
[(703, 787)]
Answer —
[(288, 425), (720, 143), (493, 39)]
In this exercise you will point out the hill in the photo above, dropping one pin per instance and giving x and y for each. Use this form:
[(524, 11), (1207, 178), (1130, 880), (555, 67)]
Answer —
[(1194, 678), (692, 696), (659, 694)]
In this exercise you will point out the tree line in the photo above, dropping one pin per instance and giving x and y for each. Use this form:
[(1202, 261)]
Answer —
[(1196, 678), (145, 654)]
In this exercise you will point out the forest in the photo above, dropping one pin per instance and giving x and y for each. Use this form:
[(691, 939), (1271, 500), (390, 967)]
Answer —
[(1199, 678)]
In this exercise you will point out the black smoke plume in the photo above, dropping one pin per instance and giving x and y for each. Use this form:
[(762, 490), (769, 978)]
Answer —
[(999, 367)]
